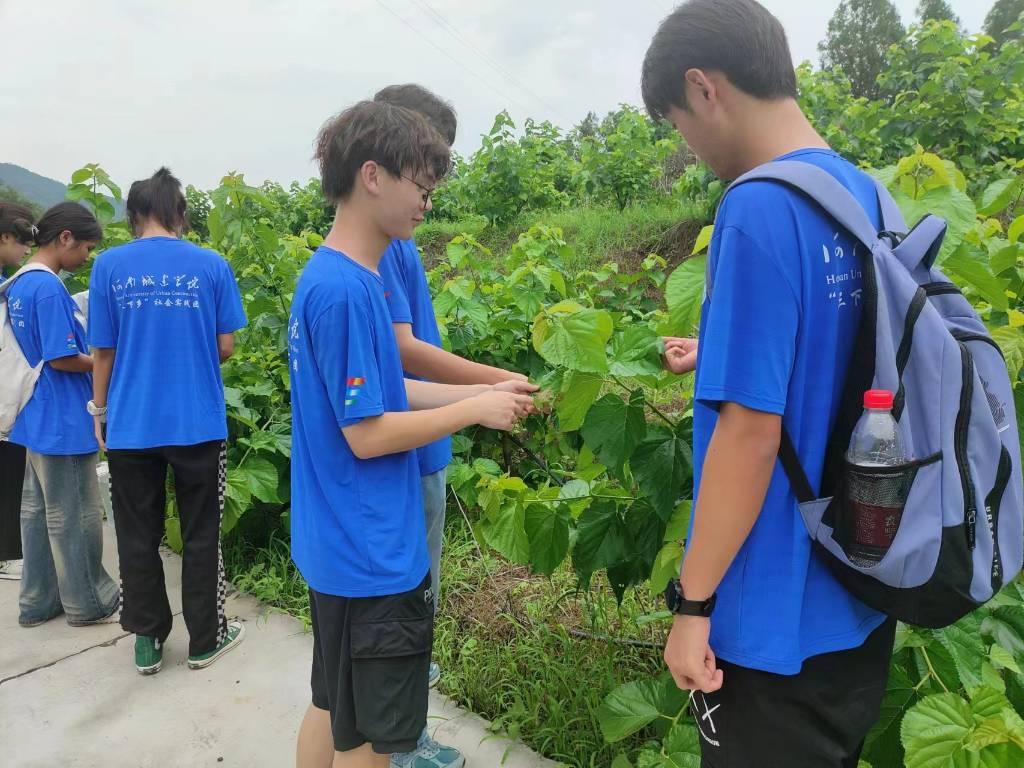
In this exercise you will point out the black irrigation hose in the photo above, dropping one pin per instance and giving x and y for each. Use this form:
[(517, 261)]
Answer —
[(579, 633)]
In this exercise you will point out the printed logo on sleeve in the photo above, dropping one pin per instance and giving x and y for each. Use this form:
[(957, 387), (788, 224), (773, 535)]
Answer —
[(70, 341), (354, 385)]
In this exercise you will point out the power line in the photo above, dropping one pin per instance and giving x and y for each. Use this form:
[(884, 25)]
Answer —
[(448, 55), (441, 20)]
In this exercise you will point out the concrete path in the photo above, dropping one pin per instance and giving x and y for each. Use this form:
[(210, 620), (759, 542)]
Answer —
[(72, 698)]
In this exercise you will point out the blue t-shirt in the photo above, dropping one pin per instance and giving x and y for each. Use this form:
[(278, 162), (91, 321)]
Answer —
[(54, 422), (779, 318), (408, 296), (357, 524), (160, 303)]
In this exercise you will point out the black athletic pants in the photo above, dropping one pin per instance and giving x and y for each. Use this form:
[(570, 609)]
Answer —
[(12, 478), (138, 495)]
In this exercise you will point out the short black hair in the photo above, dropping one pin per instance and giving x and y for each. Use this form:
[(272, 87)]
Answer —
[(68, 217), (738, 38), (398, 139), (438, 112), (158, 197), (17, 220)]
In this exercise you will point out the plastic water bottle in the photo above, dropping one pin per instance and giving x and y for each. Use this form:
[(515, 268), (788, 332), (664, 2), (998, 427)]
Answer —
[(876, 498)]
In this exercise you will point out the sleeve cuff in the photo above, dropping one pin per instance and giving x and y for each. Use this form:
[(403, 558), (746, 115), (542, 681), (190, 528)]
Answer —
[(717, 395)]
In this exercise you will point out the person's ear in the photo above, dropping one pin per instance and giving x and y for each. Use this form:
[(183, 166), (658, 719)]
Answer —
[(66, 239), (370, 176), (700, 88)]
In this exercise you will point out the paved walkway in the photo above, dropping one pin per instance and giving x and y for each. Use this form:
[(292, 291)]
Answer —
[(72, 698)]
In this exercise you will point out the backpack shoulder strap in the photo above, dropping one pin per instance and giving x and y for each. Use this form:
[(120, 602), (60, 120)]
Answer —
[(30, 267), (837, 201), (892, 216), (824, 189)]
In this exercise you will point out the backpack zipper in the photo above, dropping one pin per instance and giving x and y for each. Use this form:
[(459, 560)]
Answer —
[(992, 503), (963, 420)]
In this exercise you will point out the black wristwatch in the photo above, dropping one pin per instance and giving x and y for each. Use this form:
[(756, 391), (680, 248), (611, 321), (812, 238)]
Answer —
[(679, 605)]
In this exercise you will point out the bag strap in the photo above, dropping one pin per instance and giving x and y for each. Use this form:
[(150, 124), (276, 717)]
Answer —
[(892, 216), (824, 189), (32, 266), (836, 200)]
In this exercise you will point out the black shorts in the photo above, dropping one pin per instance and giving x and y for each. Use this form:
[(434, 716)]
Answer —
[(815, 719), (371, 659)]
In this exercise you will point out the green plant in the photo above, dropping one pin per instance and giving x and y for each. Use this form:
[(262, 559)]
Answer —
[(625, 164)]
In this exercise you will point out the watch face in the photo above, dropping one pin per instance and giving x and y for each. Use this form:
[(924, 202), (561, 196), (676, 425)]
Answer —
[(672, 596)]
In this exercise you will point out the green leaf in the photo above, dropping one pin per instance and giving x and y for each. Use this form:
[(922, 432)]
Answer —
[(999, 194), (577, 396), (679, 523), (948, 203), (601, 539), (1006, 258), (547, 528), (899, 694), (486, 467), (682, 746), (613, 428), (237, 486), (621, 761), (703, 239), (1003, 728), (666, 566), (635, 352), (977, 273), (77, 192), (505, 532), (262, 479), (628, 709), (934, 731), (576, 341), (81, 175), (1003, 659), (963, 641), (661, 466), (461, 444), (1016, 229), (684, 293), (172, 531), (987, 702), (577, 493), (1011, 341)]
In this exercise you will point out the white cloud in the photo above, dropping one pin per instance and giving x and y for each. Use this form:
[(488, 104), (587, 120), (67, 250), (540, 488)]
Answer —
[(221, 85)]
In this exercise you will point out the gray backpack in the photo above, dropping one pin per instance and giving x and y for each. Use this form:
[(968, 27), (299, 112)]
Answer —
[(959, 503)]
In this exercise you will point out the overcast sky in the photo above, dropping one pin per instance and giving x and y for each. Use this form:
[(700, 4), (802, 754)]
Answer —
[(220, 85)]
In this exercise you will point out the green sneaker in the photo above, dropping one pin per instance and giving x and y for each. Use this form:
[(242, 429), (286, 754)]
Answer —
[(236, 631), (149, 655)]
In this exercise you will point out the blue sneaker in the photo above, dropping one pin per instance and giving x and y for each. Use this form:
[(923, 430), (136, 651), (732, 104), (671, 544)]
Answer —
[(429, 754), (434, 675)]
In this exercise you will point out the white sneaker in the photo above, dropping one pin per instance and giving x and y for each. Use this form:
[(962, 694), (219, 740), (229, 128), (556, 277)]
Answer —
[(10, 570)]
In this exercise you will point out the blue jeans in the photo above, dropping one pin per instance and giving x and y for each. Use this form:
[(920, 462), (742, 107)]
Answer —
[(435, 494), (62, 538)]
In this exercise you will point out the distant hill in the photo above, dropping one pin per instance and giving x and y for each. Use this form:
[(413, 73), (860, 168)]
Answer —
[(38, 189)]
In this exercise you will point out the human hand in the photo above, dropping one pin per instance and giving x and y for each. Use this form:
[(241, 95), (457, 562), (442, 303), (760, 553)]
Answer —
[(680, 354), (501, 410), (98, 429), (689, 656)]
